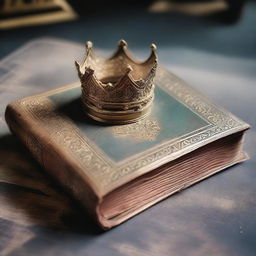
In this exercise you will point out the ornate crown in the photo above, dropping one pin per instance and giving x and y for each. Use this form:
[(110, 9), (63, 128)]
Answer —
[(117, 90)]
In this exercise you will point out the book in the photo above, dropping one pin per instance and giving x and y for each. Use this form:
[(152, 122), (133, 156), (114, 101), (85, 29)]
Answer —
[(118, 171)]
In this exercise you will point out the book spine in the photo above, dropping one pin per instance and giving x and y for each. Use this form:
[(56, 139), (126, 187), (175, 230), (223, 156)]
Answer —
[(49, 157)]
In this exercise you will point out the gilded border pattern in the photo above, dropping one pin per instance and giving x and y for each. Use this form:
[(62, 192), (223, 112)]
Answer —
[(62, 131), (100, 167), (219, 120)]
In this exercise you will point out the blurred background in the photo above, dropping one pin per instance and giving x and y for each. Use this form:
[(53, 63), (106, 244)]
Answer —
[(217, 26), (208, 43), (211, 44)]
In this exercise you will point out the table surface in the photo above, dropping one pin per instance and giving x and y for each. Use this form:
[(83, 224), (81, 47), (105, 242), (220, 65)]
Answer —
[(214, 217)]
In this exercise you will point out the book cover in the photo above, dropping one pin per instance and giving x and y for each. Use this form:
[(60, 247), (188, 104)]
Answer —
[(97, 161)]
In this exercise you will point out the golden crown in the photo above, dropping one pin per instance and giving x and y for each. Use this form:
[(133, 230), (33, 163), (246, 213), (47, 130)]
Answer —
[(117, 90)]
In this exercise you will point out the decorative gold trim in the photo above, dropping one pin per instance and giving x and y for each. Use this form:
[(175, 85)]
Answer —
[(112, 174), (63, 132), (143, 130)]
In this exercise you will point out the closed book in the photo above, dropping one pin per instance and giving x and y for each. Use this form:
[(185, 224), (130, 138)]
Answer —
[(118, 171)]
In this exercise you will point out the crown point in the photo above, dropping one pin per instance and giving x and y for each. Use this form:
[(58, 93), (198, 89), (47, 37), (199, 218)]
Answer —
[(122, 43), (153, 47), (78, 69), (129, 69), (89, 45), (77, 64)]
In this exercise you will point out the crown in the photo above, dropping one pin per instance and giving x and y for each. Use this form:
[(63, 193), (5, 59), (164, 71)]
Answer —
[(117, 90)]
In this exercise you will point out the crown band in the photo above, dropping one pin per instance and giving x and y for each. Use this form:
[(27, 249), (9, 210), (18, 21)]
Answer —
[(116, 117)]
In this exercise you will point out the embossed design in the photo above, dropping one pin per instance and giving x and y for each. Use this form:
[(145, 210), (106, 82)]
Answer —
[(63, 131), (143, 130), (34, 147), (220, 121), (90, 158), (117, 90), (195, 101)]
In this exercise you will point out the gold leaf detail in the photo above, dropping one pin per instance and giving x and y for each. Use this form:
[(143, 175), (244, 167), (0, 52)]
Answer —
[(143, 130)]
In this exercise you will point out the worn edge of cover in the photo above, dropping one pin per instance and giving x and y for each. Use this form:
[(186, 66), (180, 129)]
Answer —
[(109, 176)]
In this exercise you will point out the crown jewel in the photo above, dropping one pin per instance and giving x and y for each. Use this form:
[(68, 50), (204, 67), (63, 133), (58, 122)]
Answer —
[(117, 90)]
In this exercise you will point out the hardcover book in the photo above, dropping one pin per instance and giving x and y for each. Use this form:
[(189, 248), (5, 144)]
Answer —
[(120, 170)]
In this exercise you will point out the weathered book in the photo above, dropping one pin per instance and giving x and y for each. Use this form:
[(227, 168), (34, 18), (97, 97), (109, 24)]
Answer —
[(118, 171)]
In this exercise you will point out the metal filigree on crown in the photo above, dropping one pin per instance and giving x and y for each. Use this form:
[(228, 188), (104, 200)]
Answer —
[(117, 90)]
